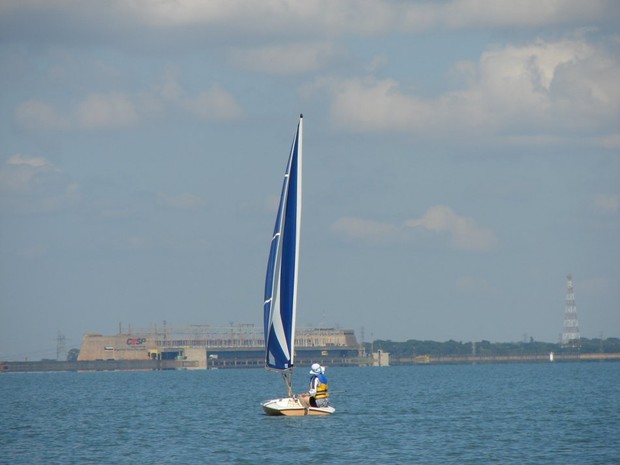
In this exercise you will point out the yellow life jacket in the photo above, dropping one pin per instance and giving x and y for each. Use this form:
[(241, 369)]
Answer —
[(321, 391)]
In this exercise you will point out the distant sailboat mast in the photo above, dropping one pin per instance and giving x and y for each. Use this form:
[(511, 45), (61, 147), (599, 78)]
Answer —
[(280, 306)]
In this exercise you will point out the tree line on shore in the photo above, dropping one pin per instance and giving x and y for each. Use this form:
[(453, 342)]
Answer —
[(413, 347)]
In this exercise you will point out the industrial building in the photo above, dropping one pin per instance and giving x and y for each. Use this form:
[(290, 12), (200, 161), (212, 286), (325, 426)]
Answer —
[(204, 346)]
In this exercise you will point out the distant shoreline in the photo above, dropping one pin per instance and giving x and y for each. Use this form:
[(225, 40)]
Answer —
[(466, 359), (154, 365)]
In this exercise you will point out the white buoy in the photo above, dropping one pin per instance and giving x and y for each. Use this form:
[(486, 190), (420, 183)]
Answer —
[(551, 356)]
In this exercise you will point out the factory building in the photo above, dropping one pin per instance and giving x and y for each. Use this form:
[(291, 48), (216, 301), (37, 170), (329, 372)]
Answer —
[(203, 346)]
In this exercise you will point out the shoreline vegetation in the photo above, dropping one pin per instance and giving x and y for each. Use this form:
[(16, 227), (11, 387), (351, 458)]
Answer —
[(414, 348)]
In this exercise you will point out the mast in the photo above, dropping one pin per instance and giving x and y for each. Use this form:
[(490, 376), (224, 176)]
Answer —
[(298, 195)]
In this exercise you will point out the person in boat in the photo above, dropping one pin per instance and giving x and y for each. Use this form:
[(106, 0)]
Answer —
[(318, 392)]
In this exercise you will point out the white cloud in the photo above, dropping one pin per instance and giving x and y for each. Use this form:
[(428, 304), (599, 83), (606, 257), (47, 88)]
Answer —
[(287, 59), (378, 62), (609, 141), (524, 13), (106, 110), (215, 104), (464, 232), (269, 16), (36, 115), (119, 110), (170, 89), (33, 162), (20, 171), (607, 203), (306, 18), (111, 110), (537, 88), (369, 104), (35, 184)]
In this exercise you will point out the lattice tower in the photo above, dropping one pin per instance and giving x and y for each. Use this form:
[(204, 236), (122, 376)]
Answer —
[(61, 348), (570, 334)]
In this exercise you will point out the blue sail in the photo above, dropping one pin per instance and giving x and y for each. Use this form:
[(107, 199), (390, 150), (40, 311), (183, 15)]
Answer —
[(282, 267)]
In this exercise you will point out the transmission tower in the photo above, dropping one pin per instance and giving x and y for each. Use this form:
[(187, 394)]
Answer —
[(570, 334), (61, 350)]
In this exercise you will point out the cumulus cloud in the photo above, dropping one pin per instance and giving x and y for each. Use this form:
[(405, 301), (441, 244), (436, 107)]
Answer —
[(33, 162), (268, 16), (370, 104), (536, 88), (490, 13), (36, 115), (463, 232), (120, 110), (215, 104), (34, 184), (106, 110), (96, 111), (286, 59), (20, 172), (609, 141), (307, 18)]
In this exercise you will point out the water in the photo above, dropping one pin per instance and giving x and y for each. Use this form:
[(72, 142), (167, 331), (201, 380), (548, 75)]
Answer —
[(560, 413)]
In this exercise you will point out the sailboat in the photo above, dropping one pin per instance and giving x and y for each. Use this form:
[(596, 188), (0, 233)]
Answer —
[(280, 307)]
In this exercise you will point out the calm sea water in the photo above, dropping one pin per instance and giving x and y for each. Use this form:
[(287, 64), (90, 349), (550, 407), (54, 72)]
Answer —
[(553, 413)]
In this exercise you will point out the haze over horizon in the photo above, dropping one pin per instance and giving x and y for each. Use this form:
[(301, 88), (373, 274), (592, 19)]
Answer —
[(460, 159)]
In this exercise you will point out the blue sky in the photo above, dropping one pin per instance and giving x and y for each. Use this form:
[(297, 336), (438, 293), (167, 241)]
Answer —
[(461, 158)]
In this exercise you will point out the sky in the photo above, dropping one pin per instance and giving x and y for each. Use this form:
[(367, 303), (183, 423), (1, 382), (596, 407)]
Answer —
[(460, 159)]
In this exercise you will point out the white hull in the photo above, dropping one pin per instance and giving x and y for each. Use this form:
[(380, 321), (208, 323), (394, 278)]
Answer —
[(292, 407)]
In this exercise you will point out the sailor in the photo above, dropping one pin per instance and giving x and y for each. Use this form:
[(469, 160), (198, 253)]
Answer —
[(319, 397)]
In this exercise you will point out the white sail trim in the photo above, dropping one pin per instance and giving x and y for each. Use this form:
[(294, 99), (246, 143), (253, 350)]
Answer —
[(278, 328)]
